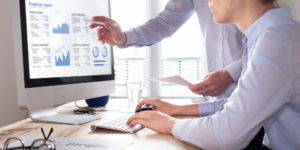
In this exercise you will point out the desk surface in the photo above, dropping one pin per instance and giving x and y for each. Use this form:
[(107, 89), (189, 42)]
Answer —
[(145, 139)]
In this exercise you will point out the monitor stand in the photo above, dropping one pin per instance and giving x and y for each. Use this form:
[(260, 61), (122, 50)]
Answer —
[(49, 115)]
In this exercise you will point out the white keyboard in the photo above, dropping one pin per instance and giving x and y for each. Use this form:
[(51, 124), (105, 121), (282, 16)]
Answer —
[(118, 125)]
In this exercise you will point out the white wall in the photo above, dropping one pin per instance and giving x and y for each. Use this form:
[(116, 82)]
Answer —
[(294, 5), (9, 110)]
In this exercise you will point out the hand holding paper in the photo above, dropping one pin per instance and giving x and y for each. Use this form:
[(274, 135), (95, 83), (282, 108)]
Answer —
[(177, 80)]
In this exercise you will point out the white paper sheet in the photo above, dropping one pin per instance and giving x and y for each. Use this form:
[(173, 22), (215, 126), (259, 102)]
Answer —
[(77, 144), (177, 80)]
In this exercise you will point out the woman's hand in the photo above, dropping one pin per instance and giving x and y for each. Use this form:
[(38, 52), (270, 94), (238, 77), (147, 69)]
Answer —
[(109, 33), (158, 105), (154, 120)]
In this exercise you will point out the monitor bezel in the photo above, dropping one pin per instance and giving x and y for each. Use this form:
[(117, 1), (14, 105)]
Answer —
[(43, 82)]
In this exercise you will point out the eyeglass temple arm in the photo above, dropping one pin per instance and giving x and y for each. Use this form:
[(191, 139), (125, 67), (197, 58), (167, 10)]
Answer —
[(43, 133), (50, 133)]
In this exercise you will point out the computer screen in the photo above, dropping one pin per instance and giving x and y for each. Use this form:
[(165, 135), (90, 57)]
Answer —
[(58, 46), (58, 59)]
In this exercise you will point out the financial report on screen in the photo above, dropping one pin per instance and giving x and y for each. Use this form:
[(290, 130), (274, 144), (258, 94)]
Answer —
[(60, 43)]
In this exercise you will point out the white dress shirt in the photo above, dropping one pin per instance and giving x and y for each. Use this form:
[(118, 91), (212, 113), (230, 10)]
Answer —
[(222, 42), (268, 93)]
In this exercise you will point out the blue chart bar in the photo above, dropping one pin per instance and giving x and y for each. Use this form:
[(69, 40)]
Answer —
[(98, 64), (97, 61), (65, 60), (64, 29)]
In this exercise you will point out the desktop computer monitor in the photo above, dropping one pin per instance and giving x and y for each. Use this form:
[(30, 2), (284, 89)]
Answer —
[(58, 58)]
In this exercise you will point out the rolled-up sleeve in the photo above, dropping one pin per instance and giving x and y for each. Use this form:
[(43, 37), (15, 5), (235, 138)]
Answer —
[(209, 108), (131, 38), (235, 70)]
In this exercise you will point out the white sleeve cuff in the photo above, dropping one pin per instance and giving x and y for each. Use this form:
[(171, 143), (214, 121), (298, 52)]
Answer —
[(206, 108), (131, 38), (235, 70), (177, 129)]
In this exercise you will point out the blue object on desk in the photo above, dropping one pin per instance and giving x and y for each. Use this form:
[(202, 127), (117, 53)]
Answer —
[(97, 102)]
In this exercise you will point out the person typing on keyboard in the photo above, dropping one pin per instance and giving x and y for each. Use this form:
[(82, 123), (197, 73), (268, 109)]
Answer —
[(268, 93)]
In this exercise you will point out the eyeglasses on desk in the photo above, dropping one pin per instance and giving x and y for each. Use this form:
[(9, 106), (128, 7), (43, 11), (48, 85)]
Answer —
[(39, 144)]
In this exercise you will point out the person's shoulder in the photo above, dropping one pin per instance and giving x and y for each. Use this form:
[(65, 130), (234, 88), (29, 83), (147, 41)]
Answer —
[(287, 31), (290, 27), (280, 40), (279, 44)]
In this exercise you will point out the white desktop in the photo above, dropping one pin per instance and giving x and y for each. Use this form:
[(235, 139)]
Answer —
[(58, 58)]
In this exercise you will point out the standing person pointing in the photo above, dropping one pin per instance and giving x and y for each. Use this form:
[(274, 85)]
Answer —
[(222, 43)]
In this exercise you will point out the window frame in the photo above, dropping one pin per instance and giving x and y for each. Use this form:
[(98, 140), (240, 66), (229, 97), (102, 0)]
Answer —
[(154, 60)]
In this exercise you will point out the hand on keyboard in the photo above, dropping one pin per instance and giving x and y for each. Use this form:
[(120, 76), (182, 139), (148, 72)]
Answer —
[(158, 105), (118, 125), (154, 120)]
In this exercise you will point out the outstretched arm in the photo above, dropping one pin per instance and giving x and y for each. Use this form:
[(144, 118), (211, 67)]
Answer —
[(168, 108), (165, 24), (202, 109)]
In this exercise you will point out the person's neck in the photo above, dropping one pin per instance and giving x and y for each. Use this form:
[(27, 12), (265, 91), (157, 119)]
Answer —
[(251, 14)]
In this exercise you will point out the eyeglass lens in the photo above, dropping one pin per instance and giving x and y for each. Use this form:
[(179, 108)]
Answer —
[(42, 145), (13, 143)]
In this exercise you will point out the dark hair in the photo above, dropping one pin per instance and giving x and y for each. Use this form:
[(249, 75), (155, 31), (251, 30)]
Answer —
[(267, 1)]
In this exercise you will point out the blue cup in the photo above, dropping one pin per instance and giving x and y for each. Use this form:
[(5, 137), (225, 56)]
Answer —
[(97, 102)]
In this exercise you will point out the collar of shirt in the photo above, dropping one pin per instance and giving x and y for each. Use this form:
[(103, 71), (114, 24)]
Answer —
[(245, 41), (269, 19)]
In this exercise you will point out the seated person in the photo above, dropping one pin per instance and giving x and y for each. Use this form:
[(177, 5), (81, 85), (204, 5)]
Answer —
[(267, 95)]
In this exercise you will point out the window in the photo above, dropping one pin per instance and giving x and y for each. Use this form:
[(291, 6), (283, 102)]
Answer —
[(173, 56), (129, 63), (183, 54)]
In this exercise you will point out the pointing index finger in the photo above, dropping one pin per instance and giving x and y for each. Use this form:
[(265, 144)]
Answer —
[(100, 19)]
